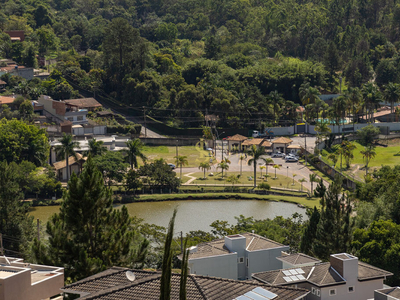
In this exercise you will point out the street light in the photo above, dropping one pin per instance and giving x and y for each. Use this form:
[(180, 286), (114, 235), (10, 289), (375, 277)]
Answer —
[(177, 141), (222, 141), (287, 171)]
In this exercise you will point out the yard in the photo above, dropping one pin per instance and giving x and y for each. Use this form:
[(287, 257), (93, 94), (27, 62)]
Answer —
[(195, 155)]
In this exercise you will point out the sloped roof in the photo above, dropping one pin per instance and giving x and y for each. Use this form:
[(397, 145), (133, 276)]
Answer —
[(63, 163), (266, 144), (298, 259), (393, 292), (282, 140), (112, 284), (250, 142), (6, 100), (217, 247), (294, 147), (237, 137), (83, 102)]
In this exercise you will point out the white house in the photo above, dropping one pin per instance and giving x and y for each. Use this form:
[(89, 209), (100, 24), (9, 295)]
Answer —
[(236, 256)]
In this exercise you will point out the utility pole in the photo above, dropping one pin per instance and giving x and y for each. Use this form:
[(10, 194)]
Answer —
[(38, 229), (181, 242), (145, 127), (1, 244)]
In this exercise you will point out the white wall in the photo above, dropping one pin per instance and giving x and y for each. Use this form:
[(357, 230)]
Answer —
[(224, 266), (264, 260), (362, 290)]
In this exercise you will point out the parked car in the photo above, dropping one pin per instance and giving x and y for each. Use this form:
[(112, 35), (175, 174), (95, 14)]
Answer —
[(172, 166), (291, 155), (291, 159), (278, 154)]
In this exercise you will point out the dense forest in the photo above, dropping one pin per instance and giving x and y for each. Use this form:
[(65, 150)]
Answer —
[(242, 60)]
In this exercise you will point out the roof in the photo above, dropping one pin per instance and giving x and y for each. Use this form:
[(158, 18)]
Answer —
[(83, 103), (237, 137), (266, 144), (282, 140), (6, 100), (217, 247), (113, 284), (3, 82), (63, 163), (321, 275), (293, 147), (298, 259), (378, 114), (104, 113), (250, 142), (393, 292)]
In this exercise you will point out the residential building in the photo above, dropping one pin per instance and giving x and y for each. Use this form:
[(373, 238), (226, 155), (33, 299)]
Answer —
[(247, 144), (235, 141), (15, 70), (124, 284), (296, 260), (19, 280), (293, 149), (235, 256), (59, 111), (7, 100), (280, 144), (84, 103), (344, 277), (16, 35), (74, 166), (267, 145), (392, 293)]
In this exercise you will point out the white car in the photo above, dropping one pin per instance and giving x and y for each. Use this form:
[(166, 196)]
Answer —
[(291, 159), (278, 154)]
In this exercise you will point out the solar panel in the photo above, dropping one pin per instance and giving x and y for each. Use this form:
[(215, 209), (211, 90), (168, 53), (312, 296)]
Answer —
[(300, 271), (255, 296), (294, 278), (287, 273), (242, 298), (293, 272), (301, 277), (287, 279), (265, 293)]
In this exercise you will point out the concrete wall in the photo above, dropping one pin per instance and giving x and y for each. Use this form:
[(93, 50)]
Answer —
[(73, 116), (53, 107), (264, 260), (362, 290), (171, 141), (78, 130), (282, 130), (224, 266)]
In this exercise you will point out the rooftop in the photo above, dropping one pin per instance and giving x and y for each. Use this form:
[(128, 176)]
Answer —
[(250, 142), (298, 259), (294, 147), (237, 137), (266, 144), (393, 292), (282, 140), (217, 247), (113, 284), (63, 163), (6, 100), (83, 102), (320, 275)]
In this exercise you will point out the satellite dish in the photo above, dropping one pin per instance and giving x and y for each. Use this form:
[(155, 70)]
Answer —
[(130, 275)]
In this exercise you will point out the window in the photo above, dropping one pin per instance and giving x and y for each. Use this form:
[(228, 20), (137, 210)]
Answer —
[(241, 260), (332, 292), (247, 262), (70, 119), (80, 118), (351, 289), (318, 293), (313, 290)]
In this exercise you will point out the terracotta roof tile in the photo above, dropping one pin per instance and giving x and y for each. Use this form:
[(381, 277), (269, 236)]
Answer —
[(237, 137), (282, 140), (266, 144), (63, 163), (83, 102), (250, 142), (298, 259)]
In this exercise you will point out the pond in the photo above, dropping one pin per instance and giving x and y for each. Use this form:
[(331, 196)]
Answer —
[(195, 214)]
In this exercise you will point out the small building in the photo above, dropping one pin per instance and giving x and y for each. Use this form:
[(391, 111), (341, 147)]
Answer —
[(247, 144), (15, 70), (16, 35), (7, 100), (74, 165), (125, 284), (89, 104), (235, 141), (344, 277), (19, 280), (297, 260), (236, 256), (2, 85), (267, 145), (293, 149), (280, 144), (392, 293)]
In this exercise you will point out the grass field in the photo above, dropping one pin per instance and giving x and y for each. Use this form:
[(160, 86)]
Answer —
[(281, 181), (195, 155)]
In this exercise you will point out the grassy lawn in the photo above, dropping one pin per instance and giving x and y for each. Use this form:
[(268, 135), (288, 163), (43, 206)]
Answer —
[(195, 155), (280, 182)]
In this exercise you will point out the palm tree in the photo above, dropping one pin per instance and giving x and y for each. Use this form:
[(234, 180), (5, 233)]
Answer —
[(223, 166), (67, 149), (135, 148), (392, 95), (355, 99), (205, 166), (276, 167), (267, 162), (348, 148), (308, 94), (181, 161), (368, 154), (96, 147), (372, 98), (256, 154), (302, 180), (333, 157), (313, 178), (294, 175), (241, 159), (261, 169), (323, 130), (339, 109), (276, 101)]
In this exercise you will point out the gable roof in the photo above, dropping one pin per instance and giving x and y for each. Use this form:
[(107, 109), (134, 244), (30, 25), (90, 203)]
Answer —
[(63, 163), (266, 144), (6, 100), (217, 247), (237, 137), (112, 284), (322, 274), (298, 259), (282, 140), (83, 102), (250, 142)]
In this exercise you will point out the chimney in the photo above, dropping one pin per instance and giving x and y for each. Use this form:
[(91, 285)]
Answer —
[(235, 243), (345, 264)]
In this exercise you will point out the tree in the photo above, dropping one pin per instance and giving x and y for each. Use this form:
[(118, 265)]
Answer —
[(132, 180), (268, 161), (112, 166), (333, 157), (20, 141), (309, 234), (67, 149), (159, 174), (302, 180), (264, 186), (293, 175), (232, 179), (261, 169), (241, 159), (323, 130), (372, 98), (313, 178), (223, 166), (320, 190), (367, 134), (368, 154), (26, 109), (166, 269), (135, 150), (15, 223), (181, 160), (80, 234), (205, 166), (256, 153), (96, 147), (348, 148), (392, 95), (276, 167)]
